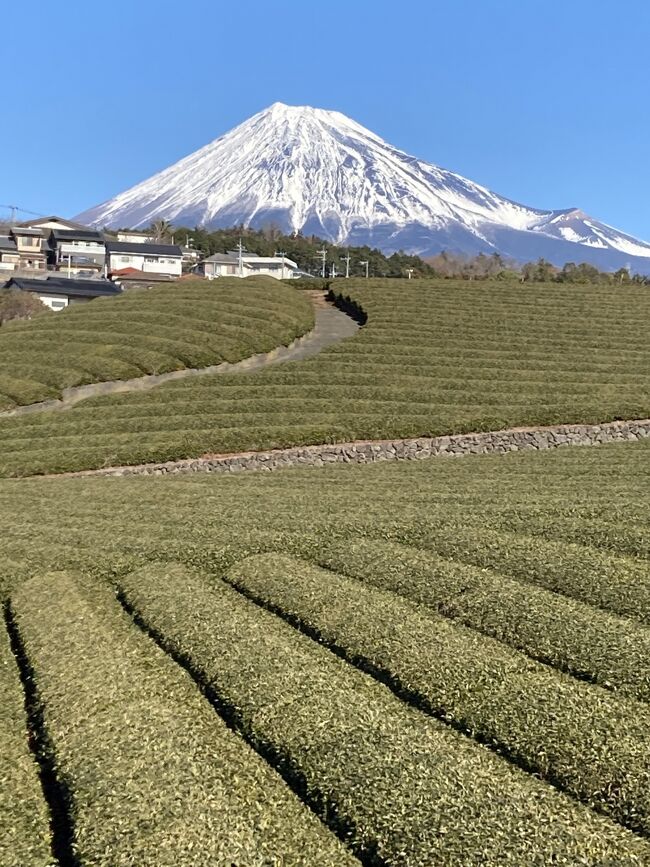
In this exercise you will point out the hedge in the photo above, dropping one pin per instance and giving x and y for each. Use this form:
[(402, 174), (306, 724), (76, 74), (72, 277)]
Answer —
[(573, 637), (24, 819), (405, 788), (154, 775), (593, 745)]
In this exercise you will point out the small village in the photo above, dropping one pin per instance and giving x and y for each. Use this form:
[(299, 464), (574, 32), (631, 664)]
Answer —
[(63, 262)]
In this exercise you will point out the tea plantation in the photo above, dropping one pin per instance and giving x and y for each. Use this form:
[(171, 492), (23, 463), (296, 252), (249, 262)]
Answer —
[(148, 331), (437, 662), (434, 357)]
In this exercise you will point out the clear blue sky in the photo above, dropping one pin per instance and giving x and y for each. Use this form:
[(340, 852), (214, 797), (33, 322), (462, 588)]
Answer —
[(544, 102)]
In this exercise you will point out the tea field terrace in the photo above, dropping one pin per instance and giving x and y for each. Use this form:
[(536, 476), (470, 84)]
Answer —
[(434, 358)]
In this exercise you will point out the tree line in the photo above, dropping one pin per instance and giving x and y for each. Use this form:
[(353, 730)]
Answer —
[(305, 250)]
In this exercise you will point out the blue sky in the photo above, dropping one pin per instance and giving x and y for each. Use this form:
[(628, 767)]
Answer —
[(544, 102)]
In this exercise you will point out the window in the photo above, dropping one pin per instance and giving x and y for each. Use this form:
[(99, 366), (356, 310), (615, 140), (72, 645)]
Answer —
[(125, 258)]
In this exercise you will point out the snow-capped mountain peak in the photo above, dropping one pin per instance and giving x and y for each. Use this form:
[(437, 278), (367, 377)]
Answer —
[(317, 171)]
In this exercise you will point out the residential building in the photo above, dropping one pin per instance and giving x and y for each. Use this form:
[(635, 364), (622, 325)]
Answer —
[(232, 264), (165, 259), (58, 292), (220, 265), (9, 257), (132, 236), (31, 246), (51, 222), (77, 251)]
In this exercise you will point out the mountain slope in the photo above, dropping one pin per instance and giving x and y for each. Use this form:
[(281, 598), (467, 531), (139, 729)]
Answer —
[(321, 172)]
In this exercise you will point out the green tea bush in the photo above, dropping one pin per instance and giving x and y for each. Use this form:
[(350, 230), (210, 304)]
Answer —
[(573, 637), (405, 789), (154, 775), (184, 325), (579, 737), (24, 820)]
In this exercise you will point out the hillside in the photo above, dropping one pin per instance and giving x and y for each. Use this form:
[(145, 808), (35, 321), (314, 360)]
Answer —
[(426, 662), (434, 357), (190, 324)]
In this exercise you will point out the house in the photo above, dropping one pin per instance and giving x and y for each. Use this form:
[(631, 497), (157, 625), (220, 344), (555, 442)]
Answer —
[(31, 246), (49, 223), (220, 265), (9, 257), (58, 292), (234, 264), (279, 267), (132, 236), (77, 251), (149, 258)]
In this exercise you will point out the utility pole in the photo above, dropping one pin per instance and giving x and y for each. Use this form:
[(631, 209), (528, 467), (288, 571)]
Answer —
[(283, 254), (365, 262), (409, 271), (323, 255), (240, 257), (333, 270), (346, 259)]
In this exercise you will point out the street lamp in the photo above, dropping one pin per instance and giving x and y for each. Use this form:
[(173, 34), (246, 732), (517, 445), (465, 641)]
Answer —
[(365, 262), (409, 271)]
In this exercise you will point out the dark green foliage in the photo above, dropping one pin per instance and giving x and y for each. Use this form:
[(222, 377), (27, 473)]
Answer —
[(154, 776), (408, 789)]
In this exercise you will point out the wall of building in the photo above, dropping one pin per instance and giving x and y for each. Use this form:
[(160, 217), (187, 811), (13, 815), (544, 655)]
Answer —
[(54, 302)]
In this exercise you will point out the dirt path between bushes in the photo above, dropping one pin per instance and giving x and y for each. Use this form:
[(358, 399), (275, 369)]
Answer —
[(331, 326)]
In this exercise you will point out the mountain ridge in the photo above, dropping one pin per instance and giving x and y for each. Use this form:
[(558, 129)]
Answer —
[(320, 172)]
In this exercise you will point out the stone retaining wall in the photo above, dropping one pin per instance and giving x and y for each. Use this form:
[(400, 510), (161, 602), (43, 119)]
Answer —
[(494, 442)]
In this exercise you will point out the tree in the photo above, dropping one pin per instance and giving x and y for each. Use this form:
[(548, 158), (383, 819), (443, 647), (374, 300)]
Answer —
[(16, 304), (162, 231)]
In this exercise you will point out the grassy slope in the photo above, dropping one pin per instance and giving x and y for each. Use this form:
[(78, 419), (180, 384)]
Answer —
[(186, 324), (435, 357), (586, 504)]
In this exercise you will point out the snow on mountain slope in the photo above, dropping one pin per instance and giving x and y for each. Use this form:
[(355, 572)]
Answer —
[(321, 172)]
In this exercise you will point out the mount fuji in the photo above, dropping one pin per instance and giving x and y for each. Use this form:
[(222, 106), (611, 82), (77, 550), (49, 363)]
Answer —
[(319, 172)]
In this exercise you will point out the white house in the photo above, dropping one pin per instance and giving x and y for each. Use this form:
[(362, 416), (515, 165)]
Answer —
[(127, 256), (234, 264)]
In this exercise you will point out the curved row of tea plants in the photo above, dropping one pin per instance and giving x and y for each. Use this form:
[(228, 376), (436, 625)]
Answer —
[(588, 742), (403, 788), (433, 358), (153, 776), (148, 331)]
